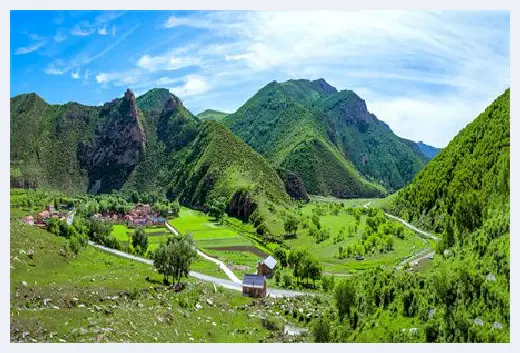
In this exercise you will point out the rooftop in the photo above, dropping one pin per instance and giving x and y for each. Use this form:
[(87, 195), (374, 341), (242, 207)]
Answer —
[(255, 281), (269, 262)]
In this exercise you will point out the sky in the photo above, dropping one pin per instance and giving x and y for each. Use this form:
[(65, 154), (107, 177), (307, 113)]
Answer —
[(426, 74)]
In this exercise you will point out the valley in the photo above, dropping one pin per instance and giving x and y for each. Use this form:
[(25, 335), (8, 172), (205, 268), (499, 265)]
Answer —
[(170, 225)]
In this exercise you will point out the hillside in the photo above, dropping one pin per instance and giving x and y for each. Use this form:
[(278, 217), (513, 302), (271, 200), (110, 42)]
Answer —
[(466, 178), (131, 144), (428, 151), (463, 193), (211, 114), (327, 138)]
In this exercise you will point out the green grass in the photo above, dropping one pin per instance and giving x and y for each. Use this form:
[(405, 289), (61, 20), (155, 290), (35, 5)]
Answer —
[(120, 232), (326, 251), (206, 232)]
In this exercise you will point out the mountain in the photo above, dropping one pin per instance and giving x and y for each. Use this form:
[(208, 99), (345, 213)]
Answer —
[(464, 194), (327, 138), (149, 144), (211, 114), (428, 151), (467, 179)]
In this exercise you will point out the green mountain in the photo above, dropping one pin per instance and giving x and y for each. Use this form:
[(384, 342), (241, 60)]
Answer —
[(211, 114), (467, 178), (133, 144), (464, 194), (327, 138), (428, 151)]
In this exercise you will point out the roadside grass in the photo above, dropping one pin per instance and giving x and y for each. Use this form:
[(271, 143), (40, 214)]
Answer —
[(208, 268)]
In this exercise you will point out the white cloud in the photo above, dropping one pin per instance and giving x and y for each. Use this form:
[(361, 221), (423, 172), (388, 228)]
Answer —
[(75, 75), (37, 44), (59, 37), (53, 70), (166, 62), (165, 81), (86, 75), (426, 69), (82, 32), (196, 21), (102, 31), (192, 86), (102, 78), (113, 30)]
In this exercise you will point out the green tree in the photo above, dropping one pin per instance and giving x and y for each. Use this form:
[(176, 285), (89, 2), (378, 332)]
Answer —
[(74, 245), (217, 207), (345, 298), (281, 255), (175, 258), (321, 330), (140, 240), (291, 225)]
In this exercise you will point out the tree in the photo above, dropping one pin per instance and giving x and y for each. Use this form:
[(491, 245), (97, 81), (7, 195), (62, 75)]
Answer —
[(281, 256), (291, 225), (316, 221), (140, 240), (217, 207), (74, 245), (175, 258), (174, 208), (345, 295), (321, 330)]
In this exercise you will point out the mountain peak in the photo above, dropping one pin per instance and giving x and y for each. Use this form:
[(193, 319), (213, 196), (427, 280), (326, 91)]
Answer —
[(129, 95), (323, 86)]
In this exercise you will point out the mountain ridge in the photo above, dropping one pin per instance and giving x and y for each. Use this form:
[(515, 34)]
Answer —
[(282, 116)]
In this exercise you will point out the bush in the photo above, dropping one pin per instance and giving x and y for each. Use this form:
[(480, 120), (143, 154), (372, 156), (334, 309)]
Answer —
[(74, 245)]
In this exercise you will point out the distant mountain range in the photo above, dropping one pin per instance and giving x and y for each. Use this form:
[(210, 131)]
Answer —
[(211, 114), (327, 138), (303, 136), (428, 151)]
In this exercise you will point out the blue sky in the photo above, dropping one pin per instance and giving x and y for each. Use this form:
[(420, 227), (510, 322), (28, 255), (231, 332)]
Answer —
[(427, 74)]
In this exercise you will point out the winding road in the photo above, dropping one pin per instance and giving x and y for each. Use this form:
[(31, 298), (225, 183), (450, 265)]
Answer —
[(416, 257)]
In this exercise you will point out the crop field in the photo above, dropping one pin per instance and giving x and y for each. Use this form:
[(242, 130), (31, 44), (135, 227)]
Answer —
[(205, 231), (156, 235)]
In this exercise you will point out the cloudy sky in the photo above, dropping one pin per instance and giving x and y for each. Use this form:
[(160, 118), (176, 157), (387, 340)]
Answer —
[(427, 74)]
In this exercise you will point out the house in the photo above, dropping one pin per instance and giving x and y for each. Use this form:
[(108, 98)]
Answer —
[(266, 267), (254, 286), (158, 220), (28, 220), (42, 217)]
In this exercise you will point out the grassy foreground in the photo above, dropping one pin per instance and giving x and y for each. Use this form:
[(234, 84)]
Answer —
[(97, 297)]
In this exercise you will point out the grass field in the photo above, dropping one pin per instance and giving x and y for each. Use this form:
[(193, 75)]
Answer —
[(156, 235), (326, 250), (206, 232)]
